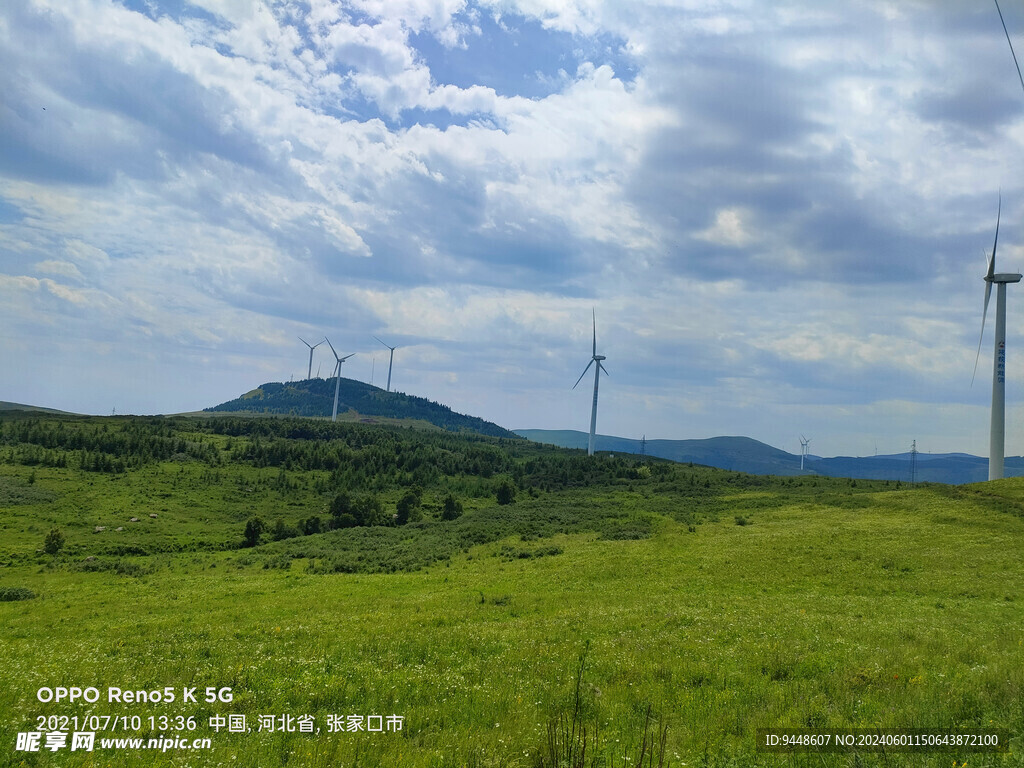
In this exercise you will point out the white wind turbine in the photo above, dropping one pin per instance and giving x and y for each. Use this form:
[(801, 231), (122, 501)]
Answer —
[(997, 428), (390, 361), (309, 375), (595, 358), (337, 381), (804, 442)]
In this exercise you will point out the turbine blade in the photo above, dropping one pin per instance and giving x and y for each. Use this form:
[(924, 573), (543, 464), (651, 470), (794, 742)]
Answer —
[(988, 283), (992, 263), (984, 313), (346, 357), (386, 345), (594, 317), (1003, 22), (601, 366), (303, 341), (331, 346), (584, 372)]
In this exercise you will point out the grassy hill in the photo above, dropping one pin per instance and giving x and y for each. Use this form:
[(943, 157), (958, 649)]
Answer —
[(315, 398), (7, 406), (670, 610)]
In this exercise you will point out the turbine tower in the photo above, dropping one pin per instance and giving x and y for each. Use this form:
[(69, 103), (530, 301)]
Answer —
[(309, 375), (804, 442), (337, 381), (595, 358), (997, 425), (389, 362)]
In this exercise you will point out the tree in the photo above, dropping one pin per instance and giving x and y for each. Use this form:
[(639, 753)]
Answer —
[(505, 491), (54, 541), (341, 507), (452, 508), (368, 510), (409, 509), (311, 525), (253, 529)]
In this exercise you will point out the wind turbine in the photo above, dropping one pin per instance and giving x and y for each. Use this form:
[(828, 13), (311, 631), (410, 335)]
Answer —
[(337, 381), (804, 442), (390, 361), (309, 375), (997, 428), (595, 358)]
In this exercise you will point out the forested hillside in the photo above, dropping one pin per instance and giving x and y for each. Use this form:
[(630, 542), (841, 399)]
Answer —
[(315, 398)]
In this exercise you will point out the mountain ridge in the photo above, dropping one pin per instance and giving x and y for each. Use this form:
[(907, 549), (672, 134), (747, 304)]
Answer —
[(745, 454)]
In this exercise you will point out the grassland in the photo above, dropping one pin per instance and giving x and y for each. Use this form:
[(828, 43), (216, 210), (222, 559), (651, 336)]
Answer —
[(662, 600)]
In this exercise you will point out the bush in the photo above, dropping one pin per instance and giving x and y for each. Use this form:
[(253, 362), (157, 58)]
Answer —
[(344, 521), (10, 594), (282, 531), (452, 508), (54, 541), (253, 529), (311, 525)]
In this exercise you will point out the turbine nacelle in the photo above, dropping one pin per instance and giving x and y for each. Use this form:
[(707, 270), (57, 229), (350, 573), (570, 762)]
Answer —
[(1004, 277)]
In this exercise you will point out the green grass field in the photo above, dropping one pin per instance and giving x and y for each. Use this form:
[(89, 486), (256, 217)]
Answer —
[(687, 610)]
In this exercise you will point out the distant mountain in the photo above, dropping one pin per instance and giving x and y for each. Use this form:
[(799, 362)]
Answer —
[(315, 397), (744, 454), (741, 454)]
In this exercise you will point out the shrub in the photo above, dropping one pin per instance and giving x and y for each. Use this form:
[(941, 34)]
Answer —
[(282, 531), (54, 541), (344, 521), (311, 525), (10, 594)]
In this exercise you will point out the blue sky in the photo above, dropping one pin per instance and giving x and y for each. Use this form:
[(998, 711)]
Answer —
[(778, 210)]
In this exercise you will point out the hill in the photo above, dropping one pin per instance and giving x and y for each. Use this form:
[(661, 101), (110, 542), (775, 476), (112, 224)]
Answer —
[(315, 398), (646, 608), (6, 406), (744, 454)]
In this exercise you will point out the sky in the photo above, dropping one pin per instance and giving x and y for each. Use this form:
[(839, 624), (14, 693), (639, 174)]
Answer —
[(778, 212)]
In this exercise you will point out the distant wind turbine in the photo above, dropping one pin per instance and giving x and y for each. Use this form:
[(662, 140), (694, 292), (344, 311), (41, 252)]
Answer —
[(997, 425), (804, 442), (390, 361), (309, 375), (337, 381), (595, 358)]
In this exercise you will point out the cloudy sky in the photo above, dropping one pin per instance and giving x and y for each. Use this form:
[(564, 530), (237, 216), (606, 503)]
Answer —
[(779, 210)]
